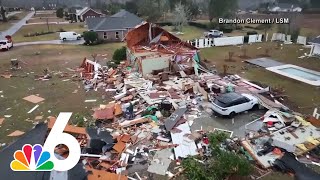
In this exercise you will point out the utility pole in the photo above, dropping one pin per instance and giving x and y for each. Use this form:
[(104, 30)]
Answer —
[(47, 20)]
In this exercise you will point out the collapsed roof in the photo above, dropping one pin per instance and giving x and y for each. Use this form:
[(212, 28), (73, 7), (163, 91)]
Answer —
[(151, 35)]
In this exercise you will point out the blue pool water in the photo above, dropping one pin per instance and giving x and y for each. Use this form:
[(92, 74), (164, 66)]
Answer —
[(300, 73)]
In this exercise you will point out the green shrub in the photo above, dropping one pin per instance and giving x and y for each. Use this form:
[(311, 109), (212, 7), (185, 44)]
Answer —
[(198, 25), (246, 39), (14, 17), (213, 25), (220, 165), (194, 170), (119, 55), (249, 27), (226, 28), (164, 24), (90, 37), (294, 34), (252, 33), (61, 30), (60, 13), (229, 163)]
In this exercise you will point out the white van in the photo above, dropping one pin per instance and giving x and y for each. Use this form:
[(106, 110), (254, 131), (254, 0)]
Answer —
[(64, 36)]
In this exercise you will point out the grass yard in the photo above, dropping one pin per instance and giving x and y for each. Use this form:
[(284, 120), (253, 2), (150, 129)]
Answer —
[(44, 14), (190, 32), (6, 25), (44, 20), (303, 97), (19, 36), (57, 93)]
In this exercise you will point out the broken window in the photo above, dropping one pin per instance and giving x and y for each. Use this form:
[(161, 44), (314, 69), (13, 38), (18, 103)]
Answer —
[(117, 35), (105, 35)]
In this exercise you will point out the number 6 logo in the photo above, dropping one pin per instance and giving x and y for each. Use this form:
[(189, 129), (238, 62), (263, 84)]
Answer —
[(56, 137)]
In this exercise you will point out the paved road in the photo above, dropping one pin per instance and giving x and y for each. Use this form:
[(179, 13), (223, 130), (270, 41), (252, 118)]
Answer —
[(13, 29), (209, 122), (54, 42)]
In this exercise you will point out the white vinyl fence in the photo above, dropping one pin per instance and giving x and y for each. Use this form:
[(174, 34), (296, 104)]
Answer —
[(227, 41), (302, 40), (224, 41), (238, 40), (255, 38)]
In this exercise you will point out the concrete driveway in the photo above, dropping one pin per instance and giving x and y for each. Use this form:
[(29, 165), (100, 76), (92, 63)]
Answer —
[(237, 125), (54, 42), (14, 28)]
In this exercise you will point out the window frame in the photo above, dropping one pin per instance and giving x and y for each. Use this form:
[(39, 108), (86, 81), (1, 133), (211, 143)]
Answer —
[(117, 35), (105, 35)]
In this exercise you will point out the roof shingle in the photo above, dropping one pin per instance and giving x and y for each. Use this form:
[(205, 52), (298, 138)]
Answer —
[(120, 20)]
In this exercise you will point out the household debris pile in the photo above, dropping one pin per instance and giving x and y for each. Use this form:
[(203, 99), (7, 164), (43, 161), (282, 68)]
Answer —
[(157, 94), (146, 126)]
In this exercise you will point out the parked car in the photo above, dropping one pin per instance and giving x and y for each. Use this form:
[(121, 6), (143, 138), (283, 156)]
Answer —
[(230, 104), (6, 44), (213, 34), (69, 36)]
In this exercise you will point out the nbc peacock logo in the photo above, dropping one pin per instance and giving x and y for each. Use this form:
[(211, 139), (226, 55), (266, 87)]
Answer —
[(31, 158), (38, 158)]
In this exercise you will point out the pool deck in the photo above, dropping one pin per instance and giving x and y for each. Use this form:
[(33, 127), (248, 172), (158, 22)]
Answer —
[(264, 62), (277, 69)]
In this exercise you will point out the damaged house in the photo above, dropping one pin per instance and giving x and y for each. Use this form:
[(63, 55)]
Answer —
[(151, 48)]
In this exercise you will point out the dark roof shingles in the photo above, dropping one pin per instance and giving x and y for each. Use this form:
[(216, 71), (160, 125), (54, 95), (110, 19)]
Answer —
[(120, 20)]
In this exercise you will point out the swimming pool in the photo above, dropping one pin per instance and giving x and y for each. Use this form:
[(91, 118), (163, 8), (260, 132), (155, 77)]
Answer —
[(298, 73)]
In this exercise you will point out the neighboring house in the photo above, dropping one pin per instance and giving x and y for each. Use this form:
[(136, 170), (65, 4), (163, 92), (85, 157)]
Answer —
[(73, 13), (285, 7), (87, 12), (315, 49), (115, 27)]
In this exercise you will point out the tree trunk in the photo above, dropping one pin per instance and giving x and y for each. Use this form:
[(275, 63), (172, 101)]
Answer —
[(3, 14)]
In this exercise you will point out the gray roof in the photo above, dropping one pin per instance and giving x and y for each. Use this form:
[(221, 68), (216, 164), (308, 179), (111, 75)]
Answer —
[(120, 20), (316, 40)]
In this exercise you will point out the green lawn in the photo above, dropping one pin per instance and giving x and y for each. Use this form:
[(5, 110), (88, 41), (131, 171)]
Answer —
[(48, 14), (19, 36), (190, 32), (6, 25), (57, 93), (302, 97)]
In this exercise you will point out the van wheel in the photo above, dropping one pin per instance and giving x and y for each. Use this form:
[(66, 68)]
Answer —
[(232, 115), (64, 39)]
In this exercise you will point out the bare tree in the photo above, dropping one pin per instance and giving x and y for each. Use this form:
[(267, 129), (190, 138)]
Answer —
[(181, 16), (3, 12)]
